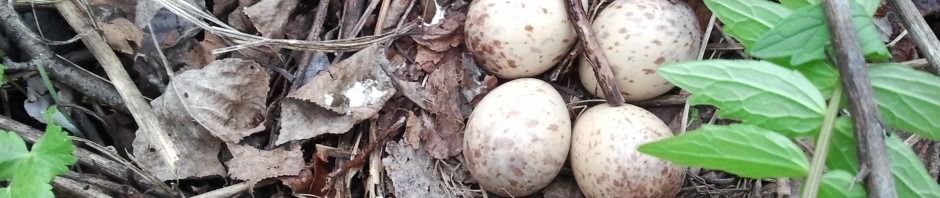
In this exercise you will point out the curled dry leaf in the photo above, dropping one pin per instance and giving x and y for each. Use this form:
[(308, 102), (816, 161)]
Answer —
[(410, 173), (119, 31), (310, 181), (270, 16), (226, 97), (437, 39), (252, 164), (336, 99)]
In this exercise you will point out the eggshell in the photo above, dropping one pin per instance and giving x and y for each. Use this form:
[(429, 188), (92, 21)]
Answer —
[(637, 36), (518, 38), (517, 137), (604, 158)]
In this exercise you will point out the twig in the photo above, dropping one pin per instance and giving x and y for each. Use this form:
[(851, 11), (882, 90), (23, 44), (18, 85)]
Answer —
[(594, 53), (230, 191), (868, 123), (138, 106), (387, 129), (818, 162), (923, 36), (77, 188), (82, 82)]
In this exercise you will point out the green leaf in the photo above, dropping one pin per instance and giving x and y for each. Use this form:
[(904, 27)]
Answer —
[(30, 172), (755, 92), (821, 74), (747, 20), (908, 99), (839, 183), (870, 5), (743, 150), (910, 177), (843, 152), (803, 36)]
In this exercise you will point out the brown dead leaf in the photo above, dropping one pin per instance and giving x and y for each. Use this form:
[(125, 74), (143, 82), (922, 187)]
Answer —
[(202, 55), (198, 149), (310, 181), (410, 173), (119, 31), (434, 40), (413, 129), (346, 93), (271, 16), (226, 97), (252, 164), (444, 103)]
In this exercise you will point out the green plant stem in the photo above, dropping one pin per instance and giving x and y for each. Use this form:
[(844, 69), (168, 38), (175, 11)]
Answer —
[(818, 163), (47, 82)]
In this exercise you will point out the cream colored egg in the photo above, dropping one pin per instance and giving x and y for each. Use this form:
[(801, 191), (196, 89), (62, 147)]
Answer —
[(518, 38), (604, 158), (517, 137), (637, 36)]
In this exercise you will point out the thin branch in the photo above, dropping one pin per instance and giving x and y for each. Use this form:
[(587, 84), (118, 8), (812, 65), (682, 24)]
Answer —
[(594, 53), (923, 36), (868, 123)]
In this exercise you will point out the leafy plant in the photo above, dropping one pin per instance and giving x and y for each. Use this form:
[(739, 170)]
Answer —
[(29, 172), (784, 97)]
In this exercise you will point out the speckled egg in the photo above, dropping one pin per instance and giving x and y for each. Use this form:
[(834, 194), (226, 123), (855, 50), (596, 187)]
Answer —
[(604, 158), (518, 38), (637, 36), (517, 137)]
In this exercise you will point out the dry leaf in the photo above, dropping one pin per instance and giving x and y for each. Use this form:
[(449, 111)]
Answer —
[(271, 16), (118, 32), (309, 181), (413, 129), (444, 101), (198, 149), (226, 97), (410, 173), (337, 98), (437, 39), (202, 55), (252, 164)]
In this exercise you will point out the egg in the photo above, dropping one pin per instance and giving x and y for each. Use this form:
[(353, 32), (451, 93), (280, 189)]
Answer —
[(518, 38), (604, 158), (637, 36), (517, 137)]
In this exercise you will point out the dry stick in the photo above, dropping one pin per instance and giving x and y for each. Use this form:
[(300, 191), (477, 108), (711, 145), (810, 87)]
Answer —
[(82, 82), (594, 53), (138, 106), (383, 11), (868, 123), (923, 36), (312, 35), (76, 188)]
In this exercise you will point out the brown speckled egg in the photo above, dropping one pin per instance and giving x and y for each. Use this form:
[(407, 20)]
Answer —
[(517, 138), (604, 158), (518, 38), (637, 36)]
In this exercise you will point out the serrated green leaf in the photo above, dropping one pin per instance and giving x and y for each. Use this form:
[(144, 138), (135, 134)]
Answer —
[(843, 152), (747, 20), (821, 74), (908, 99), (32, 171), (2, 69), (870, 5), (838, 184), (910, 177), (803, 36), (743, 150), (755, 92), (14, 148)]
